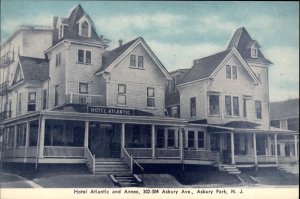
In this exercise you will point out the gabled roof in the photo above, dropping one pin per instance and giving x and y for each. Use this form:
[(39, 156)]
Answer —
[(204, 67), (112, 58), (34, 69), (284, 109), (208, 67), (72, 27), (241, 40)]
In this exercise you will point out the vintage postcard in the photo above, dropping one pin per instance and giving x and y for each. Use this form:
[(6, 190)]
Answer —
[(163, 99)]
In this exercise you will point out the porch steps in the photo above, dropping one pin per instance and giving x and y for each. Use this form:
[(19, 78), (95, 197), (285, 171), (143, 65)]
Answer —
[(124, 180), (111, 166), (246, 179), (231, 169), (289, 168)]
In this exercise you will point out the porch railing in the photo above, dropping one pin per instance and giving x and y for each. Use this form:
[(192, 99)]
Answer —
[(64, 151), (202, 155), (244, 158), (75, 98), (287, 159), (167, 153), (140, 152), (22, 152), (90, 159), (266, 159), (131, 163)]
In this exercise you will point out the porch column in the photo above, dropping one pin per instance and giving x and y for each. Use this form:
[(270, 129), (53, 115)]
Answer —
[(276, 154), (181, 143), (42, 138), (27, 134), (153, 140), (296, 147), (122, 139), (232, 148), (254, 148), (15, 139), (86, 134)]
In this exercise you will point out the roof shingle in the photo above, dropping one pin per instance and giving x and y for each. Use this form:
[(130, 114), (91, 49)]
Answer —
[(34, 69), (204, 67), (284, 109)]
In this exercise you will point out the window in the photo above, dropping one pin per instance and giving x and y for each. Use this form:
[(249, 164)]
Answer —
[(132, 60), (80, 56), (140, 62), (258, 109), (21, 139), (160, 138), (200, 139), (193, 106), (31, 101), (85, 29), (11, 135), (228, 72), (236, 110), (234, 72), (58, 59), (122, 94), (33, 133), (214, 105), (84, 56), (228, 105), (245, 107), (56, 95), (191, 139), (83, 88), (150, 97), (44, 99), (88, 58), (231, 72), (254, 52), (20, 104)]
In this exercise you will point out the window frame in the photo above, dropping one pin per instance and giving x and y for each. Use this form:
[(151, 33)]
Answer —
[(140, 62), (132, 60), (228, 72), (201, 139), (57, 59), (122, 94), (254, 52), (230, 105), (244, 107), (258, 113), (21, 135), (87, 29), (149, 97), (31, 102), (83, 84), (209, 105), (56, 95), (234, 113), (193, 109), (191, 140)]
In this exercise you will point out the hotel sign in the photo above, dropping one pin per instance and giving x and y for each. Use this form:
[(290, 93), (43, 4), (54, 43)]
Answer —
[(110, 111)]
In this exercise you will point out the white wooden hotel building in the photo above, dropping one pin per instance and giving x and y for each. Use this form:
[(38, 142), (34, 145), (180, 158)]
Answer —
[(65, 98)]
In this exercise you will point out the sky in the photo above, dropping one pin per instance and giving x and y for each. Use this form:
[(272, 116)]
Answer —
[(179, 32)]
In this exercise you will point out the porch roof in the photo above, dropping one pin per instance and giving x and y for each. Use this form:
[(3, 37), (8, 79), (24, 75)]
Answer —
[(155, 120)]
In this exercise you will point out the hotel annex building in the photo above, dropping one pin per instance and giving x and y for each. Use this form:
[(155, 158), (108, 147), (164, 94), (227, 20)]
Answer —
[(66, 99)]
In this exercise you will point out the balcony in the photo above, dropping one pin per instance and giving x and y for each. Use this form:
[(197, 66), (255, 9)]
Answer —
[(5, 115), (85, 99), (7, 59)]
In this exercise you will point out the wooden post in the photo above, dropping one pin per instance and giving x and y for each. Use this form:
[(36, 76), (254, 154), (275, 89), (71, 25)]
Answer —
[(86, 134), (276, 154), (122, 139), (254, 148), (15, 139), (181, 143), (27, 137), (153, 140), (296, 147), (42, 138), (232, 148)]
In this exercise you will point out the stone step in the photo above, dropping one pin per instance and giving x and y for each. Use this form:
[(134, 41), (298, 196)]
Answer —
[(234, 172), (109, 172)]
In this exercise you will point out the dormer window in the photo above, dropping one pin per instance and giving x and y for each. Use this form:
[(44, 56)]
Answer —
[(254, 52), (62, 31), (84, 28)]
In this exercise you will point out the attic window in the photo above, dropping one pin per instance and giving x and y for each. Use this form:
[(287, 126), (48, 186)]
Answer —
[(253, 52), (62, 31), (84, 28)]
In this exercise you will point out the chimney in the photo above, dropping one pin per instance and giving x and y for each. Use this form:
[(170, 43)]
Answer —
[(120, 42)]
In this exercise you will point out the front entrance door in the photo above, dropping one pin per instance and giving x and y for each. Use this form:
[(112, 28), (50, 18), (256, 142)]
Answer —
[(104, 140)]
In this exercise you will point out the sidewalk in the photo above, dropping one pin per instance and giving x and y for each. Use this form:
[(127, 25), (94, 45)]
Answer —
[(14, 181)]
